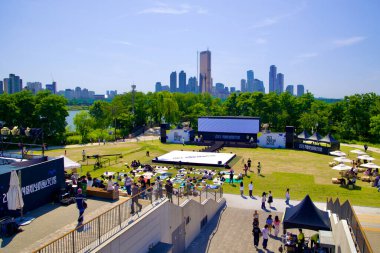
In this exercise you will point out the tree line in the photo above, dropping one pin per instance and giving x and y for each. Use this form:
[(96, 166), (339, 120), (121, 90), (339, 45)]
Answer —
[(356, 117)]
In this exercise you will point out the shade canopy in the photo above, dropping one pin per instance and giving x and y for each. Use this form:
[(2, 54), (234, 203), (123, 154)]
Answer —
[(370, 165), (366, 157), (69, 164), (328, 139), (14, 195), (303, 135), (315, 137), (306, 215), (342, 159), (338, 153), (359, 152), (341, 167)]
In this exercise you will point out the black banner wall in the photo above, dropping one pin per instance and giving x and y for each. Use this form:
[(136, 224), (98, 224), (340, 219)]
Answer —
[(40, 184), (311, 148)]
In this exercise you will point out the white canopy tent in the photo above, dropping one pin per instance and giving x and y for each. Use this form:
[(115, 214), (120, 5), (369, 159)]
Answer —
[(359, 152), (366, 157), (337, 153), (370, 165), (341, 167), (69, 164), (342, 159)]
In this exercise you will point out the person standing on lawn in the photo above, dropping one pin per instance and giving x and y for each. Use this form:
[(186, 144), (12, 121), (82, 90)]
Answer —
[(249, 163), (241, 188), (287, 196), (250, 187), (270, 199), (258, 168)]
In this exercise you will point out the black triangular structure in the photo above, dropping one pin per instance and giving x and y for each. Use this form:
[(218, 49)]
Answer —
[(306, 215), (328, 139), (315, 137), (303, 135)]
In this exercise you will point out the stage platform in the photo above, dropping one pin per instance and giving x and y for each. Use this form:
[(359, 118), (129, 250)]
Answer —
[(195, 158)]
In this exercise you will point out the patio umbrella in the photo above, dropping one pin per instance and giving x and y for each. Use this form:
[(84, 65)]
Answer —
[(366, 157), (14, 194), (359, 152), (337, 153), (342, 159), (341, 167), (370, 165)]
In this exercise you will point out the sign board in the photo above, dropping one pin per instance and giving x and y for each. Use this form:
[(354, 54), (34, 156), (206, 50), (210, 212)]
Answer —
[(311, 148), (272, 140), (178, 136)]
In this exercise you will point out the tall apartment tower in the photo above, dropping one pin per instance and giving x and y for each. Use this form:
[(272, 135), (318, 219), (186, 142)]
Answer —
[(300, 90), (173, 82), (250, 80), (243, 85), (12, 84), (279, 87), (182, 82), (1, 87), (158, 86), (290, 89), (272, 78), (205, 80)]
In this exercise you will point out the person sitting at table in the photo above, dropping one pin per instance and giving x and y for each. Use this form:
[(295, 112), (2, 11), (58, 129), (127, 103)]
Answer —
[(315, 241), (300, 240), (367, 172), (375, 172)]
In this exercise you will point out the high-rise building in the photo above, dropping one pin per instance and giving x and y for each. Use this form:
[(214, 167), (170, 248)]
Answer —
[(243, 85), (110, 93), (279, 84), (192, 85), (173, 82), (300, 90), (219, 87), (205, 79), (182, 82), (12, 84), (158, 86), (290, 89), (272, 78), (1, 87), (52, 87), (34, 87), (259, 85), (250, 80), (232, 89), (78, 92)]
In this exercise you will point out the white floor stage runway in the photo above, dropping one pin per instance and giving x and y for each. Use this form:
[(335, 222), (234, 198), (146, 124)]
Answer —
[(195, 158)]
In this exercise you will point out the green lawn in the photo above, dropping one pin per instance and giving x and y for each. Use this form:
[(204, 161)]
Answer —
[(302, 172)]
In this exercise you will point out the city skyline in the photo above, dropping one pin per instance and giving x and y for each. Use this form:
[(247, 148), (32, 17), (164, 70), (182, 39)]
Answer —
[(331, 47)]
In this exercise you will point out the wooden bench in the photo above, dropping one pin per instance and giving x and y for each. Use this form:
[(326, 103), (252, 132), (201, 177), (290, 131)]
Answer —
[(102, 193)]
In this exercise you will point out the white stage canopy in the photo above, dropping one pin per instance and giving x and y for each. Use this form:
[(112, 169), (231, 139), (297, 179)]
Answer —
[(69, 164), (195, 158)]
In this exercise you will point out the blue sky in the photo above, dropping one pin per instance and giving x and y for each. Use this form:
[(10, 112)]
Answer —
[(332, 47)]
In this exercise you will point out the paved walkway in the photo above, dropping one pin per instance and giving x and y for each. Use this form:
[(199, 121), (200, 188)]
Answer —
[(373, 149)]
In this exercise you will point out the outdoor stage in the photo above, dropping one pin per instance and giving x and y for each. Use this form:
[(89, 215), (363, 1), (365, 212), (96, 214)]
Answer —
[(195, 158)]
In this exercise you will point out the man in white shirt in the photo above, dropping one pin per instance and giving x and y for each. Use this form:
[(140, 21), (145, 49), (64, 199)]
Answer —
[(250, 187), (265, 233)]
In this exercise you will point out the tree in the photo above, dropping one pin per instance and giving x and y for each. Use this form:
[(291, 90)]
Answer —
[(101, 113), (83, 124), (375, 126)]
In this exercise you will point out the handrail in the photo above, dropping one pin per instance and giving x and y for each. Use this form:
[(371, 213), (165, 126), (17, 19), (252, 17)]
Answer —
[(340, 210)]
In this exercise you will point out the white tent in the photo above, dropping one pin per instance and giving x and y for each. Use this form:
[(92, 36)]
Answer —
[(14, 194), (69, 164), (366, 157), (370, 165), (342, 159), (359, 152), (341, 167), (337, 153)]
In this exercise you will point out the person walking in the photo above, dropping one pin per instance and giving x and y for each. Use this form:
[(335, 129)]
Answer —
[(269, 222), (270, 199), (231, 176), (81, 205), (276, 224), (263, 199), (250, 187), (265, 232), (245, 169), (241, 188), (249, 163), (256, 235), (83, 155), (135, 198), (258, 168), (287, 196), (127, 184)]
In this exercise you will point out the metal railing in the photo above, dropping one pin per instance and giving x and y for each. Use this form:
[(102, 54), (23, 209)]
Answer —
[(93, 233), (346, 212)]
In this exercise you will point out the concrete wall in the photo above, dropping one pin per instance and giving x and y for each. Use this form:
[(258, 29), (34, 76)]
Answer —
[(159, 223), (342, 236)]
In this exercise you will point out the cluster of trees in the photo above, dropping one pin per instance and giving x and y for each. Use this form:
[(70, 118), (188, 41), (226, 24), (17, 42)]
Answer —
[(356, 117), (44, 110)]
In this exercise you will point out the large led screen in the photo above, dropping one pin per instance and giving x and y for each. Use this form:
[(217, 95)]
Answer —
[(229, 125)]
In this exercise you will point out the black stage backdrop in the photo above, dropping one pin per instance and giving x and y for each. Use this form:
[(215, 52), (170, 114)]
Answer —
[(40, 184)]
